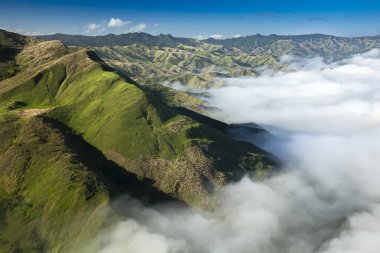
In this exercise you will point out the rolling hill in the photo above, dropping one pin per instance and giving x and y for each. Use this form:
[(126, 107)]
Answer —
[(165, 59), (196, 66)]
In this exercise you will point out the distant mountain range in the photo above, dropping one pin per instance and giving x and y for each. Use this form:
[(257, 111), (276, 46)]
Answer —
[(309, 45), (164, 40), (161, 59)]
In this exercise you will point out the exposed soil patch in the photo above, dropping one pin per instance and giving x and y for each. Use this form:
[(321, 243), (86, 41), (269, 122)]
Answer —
[(32, 112)]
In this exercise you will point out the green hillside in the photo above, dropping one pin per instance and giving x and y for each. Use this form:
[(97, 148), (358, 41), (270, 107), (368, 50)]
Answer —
[(75, 134), (49, 197)]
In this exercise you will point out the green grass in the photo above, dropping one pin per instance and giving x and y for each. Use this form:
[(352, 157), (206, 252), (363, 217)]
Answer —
[(47, 197)]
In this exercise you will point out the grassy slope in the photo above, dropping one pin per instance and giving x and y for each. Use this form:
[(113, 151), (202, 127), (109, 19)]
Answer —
[(48, 198), (55, 188)]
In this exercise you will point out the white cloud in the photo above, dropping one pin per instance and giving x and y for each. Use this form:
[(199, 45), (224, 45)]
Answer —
[(138, 28), (155, 25), (199, 37), (236, 36), (217, 36), (116, 22), (327, 200), (345, 94), (203, 37), (92, 27), (112, 25)]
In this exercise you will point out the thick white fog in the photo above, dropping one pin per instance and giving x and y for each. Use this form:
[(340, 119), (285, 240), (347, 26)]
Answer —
[(328, 198), (317, 98)]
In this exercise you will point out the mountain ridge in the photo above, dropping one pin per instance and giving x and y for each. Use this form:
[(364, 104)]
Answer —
[(120, 40), (305, 45), (257, 35)]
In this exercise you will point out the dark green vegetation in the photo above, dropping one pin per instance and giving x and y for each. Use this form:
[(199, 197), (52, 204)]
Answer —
[(162, 40), (75, 135)]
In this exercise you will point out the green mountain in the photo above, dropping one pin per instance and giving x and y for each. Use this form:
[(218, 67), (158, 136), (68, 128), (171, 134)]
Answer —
[(75, 134)]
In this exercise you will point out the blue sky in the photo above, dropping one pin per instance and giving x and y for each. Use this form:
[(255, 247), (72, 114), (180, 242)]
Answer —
[(192, 18)]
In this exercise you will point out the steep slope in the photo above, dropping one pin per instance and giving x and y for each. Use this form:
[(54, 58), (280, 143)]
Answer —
[(48, 197), (10, 45), (56, 189), (184, 158)]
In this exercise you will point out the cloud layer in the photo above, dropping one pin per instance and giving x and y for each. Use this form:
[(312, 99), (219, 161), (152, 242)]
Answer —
[(115, 25), (216, 36), (327, 200), (116, 22), (341, 97)]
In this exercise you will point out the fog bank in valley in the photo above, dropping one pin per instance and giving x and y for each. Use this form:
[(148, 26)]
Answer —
[(327, 200)]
